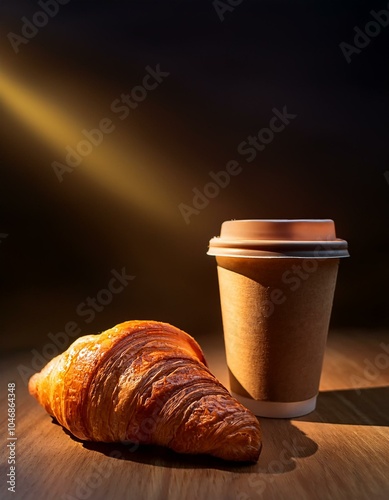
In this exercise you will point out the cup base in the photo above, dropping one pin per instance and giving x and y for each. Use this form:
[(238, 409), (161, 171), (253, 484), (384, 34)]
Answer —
[(271, 409)]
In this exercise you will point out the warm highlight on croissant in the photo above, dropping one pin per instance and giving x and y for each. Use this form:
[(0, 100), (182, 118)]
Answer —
[(146, 382)]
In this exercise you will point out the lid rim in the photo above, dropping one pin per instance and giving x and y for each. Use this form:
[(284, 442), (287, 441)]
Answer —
[(309, 254), (307, 238), (219, 242)]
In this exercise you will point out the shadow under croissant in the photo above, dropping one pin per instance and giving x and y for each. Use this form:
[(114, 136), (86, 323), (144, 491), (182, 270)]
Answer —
[(282, 444)]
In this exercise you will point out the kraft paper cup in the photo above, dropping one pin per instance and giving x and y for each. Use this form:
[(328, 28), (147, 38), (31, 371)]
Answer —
[(277, 280)]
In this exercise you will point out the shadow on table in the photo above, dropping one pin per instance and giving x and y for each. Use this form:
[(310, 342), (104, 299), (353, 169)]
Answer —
[(368, 406), (282, 444)]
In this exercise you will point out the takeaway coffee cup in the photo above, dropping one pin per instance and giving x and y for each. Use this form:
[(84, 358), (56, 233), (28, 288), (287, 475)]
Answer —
[(277, 281)]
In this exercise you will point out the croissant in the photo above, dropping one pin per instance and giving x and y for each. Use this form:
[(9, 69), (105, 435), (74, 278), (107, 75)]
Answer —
[(146, 382)]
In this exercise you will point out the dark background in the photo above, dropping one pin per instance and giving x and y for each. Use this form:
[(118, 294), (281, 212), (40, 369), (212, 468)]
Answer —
[(119, 208)]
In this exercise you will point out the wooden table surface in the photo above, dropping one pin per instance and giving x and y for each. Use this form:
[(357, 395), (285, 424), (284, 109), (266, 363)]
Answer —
[(341, 450)]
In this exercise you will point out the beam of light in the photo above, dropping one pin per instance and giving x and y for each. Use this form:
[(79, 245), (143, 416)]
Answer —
[(112, 164)]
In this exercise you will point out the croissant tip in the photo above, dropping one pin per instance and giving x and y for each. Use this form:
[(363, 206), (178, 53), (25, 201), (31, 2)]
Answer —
[(248, 454), (32, 384)]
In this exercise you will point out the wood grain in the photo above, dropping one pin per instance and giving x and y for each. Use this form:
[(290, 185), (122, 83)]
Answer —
[(340, 451)]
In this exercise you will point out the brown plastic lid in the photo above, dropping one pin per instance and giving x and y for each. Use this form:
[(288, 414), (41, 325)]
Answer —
[(304, 238)]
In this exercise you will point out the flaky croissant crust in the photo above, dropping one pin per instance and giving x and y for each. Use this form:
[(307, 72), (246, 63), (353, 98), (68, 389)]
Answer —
[(146, 382)]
